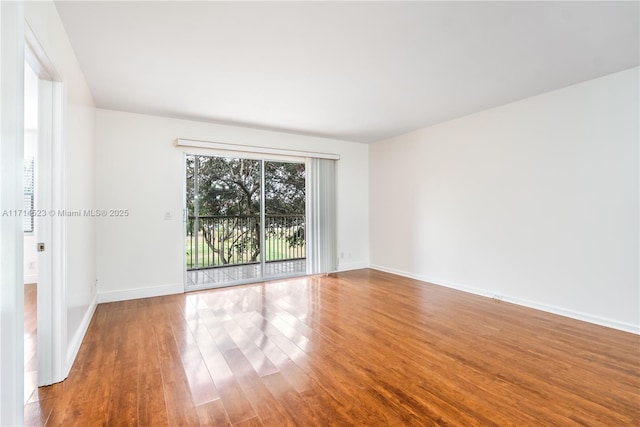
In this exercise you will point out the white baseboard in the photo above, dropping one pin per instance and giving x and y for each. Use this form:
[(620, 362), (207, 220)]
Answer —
[(352, 266), (136, 293), (585, 317), (30, 278), (76, 341)]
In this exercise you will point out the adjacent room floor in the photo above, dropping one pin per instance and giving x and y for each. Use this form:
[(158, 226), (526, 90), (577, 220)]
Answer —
[(355, 348), (30, 339)]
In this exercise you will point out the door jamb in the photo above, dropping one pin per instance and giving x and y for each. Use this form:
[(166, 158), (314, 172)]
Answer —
[(52, 308), (11, 226)]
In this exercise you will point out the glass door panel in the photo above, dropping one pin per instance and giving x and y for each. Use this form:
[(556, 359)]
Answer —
[(223, 220), (284, 231)]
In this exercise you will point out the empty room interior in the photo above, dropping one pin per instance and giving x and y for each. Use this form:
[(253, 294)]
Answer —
[(320, 213)]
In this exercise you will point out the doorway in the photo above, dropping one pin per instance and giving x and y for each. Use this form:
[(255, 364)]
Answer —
[(48, 228), (245, 220), (30, 232)]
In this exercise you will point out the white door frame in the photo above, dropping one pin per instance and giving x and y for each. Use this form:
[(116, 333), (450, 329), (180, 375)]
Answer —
[(11, 226), (52, 308)]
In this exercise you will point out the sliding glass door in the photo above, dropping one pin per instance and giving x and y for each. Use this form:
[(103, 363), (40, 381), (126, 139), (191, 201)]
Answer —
[(245, 220)]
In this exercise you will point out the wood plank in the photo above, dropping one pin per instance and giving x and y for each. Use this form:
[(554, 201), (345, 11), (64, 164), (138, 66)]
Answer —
[(177, 395), (123, 404), (266, 406), (213, 414), (235, 402), (152, 410)]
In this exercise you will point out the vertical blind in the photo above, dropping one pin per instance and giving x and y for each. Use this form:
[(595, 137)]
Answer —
[(29, 175), (321, 211)]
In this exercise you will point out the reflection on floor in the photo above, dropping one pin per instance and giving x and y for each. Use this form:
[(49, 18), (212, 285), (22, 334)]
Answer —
[(224, 276), (357, 348), (30, 339)]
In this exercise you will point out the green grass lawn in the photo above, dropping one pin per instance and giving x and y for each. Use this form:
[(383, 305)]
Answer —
[(276, 248)]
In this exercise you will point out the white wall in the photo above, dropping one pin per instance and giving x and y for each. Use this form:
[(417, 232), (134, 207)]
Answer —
[(139, 167), (79, 187), (535, 201)]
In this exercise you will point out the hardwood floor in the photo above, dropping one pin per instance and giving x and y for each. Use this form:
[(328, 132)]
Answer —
[(358, 348)]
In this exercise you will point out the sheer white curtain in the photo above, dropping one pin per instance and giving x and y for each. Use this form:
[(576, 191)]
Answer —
[(321, 216)]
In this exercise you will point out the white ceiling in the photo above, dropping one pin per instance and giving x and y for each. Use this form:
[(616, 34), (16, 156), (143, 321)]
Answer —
[(358, 71)]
